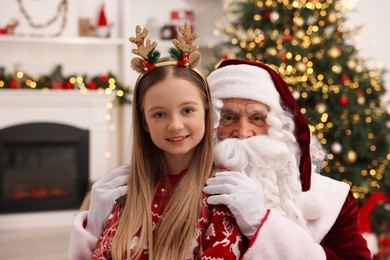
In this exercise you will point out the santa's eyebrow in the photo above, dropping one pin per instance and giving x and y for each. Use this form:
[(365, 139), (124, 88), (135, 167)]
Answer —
[(261, 111), (229, 110)]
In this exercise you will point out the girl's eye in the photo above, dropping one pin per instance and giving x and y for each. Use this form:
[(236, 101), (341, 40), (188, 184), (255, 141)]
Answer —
[(158, 115), (188, 110)]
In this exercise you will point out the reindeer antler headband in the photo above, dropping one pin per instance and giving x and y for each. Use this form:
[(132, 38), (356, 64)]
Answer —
[(185, 54)]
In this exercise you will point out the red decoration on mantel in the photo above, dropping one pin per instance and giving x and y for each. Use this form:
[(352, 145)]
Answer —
[(92, 85), (13, 84), (68, 85)]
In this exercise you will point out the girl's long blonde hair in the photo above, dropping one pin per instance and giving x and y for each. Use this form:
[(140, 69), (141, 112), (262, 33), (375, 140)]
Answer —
[(177, 229)]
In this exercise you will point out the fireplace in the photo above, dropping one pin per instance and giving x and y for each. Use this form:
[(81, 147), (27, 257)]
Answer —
[(43, 167), (95, 113)]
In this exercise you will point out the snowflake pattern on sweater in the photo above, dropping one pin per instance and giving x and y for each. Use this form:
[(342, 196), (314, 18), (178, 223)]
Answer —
[(217, 235)]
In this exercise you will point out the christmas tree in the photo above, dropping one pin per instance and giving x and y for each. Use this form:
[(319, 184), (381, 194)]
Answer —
[(308, 43)]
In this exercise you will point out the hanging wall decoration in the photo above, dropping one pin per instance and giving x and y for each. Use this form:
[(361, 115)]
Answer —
[(61, 11)]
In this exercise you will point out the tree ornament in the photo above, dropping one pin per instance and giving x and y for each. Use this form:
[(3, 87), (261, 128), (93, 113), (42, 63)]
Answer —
[(311, 20), (351, 64), (361, 100), (334, 52), (337, 68), (299, 34), (271, 51), (319, 54), (274, 16), (301, 66), (328, 32), (296, 94), (336, 148), (283, 56), (359, 68), (351, 156), (321, 107), (332, 17), (315, 40), (339, 31), (343, 100), (287, 36), (298, 20), (267, 14), (345, 79)]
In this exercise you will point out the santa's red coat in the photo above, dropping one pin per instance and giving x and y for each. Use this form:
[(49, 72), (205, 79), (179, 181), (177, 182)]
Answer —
[(332, 213)]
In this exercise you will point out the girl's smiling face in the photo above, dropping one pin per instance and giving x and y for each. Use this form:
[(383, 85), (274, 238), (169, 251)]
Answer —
[(174, 117)]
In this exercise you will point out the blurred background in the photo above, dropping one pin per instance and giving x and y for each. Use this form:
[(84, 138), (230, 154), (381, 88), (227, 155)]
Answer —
[(66, 89)]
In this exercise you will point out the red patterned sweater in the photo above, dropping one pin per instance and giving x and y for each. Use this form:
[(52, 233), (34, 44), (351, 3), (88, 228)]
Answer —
[(217, 236)]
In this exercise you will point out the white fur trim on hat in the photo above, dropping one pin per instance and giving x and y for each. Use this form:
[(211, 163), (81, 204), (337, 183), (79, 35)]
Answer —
[(244, 81)]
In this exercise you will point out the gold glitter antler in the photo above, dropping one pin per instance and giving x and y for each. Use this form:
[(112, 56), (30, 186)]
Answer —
[(184, 43), (139, 39), (190, 55), (147, 52)]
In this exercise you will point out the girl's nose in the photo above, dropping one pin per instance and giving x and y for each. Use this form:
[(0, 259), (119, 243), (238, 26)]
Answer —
[(175, 124)]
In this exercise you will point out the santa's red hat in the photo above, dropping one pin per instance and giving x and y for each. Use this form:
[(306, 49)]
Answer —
[(259, 82)]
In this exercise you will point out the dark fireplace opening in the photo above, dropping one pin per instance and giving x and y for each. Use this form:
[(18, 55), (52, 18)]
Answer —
[(43, 167)]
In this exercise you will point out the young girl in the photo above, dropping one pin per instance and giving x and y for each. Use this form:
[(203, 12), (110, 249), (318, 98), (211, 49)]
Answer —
[(164, 214)]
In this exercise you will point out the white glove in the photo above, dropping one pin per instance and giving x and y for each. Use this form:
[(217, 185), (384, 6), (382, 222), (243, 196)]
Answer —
[(241, 195), (104, 192), (81, 243)]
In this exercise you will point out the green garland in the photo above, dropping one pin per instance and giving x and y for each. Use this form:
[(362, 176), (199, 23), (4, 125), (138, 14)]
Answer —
[(56, 80)]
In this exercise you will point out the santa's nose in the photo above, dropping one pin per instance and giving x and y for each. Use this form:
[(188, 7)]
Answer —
[(243, 130)]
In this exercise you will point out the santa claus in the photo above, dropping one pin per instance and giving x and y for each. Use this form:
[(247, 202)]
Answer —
[(279, 199)]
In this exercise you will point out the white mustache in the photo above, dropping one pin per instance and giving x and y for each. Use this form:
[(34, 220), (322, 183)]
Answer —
[(254, 152)]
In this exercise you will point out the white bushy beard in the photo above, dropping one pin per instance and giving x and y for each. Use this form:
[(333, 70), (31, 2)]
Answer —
[(271, 162)]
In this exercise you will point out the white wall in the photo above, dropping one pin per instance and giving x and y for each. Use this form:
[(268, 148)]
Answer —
[(374, 38)]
